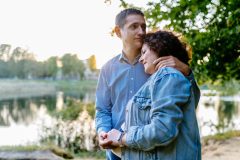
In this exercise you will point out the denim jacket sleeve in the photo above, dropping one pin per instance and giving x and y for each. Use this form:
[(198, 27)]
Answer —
[(168, 94), (103, 116)]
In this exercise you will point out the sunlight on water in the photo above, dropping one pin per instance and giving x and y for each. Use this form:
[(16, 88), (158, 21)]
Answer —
[(21, 120)]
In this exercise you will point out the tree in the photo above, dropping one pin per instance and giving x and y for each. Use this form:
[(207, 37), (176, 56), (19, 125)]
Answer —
[(92, 63), (72, 66), (5, 51), (211, 28), (51, 67)]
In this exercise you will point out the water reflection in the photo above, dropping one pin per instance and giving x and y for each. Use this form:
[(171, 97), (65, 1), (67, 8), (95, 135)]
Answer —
[(21, 119), (218, 114)]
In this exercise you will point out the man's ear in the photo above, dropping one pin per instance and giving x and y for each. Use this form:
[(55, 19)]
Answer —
[(117, 30)]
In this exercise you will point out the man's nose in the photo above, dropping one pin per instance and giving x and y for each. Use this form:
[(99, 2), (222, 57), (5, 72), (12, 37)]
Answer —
[(141, 31)]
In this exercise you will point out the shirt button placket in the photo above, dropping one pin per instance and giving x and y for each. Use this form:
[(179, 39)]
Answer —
[(131, 89)]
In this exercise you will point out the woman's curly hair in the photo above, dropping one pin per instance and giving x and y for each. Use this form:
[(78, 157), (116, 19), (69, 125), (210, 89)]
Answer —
[(165, 43)]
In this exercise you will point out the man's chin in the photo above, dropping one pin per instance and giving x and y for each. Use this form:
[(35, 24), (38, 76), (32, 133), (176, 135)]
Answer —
[(138, 45)]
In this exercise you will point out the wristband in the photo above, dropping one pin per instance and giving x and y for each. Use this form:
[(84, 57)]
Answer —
[(120, 139)]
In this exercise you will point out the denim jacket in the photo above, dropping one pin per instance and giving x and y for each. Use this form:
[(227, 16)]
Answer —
[(161, 121)]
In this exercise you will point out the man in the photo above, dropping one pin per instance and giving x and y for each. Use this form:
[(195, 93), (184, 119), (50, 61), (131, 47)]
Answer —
[(122, 76)]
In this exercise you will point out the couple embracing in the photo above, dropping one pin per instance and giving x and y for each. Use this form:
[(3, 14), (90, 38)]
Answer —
[(146, 96)]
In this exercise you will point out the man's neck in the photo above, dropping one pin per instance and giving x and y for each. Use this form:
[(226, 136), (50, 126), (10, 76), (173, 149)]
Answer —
[(131, 54)]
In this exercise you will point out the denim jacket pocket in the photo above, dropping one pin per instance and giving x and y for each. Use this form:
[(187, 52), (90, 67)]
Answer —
[(142, 110), (142, 102)]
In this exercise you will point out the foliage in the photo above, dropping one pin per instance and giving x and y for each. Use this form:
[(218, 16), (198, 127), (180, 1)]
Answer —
[(212, 29), (74, 127), (22, 64), (72, 66), (92, 63), (71, 112), (50, 67), (74, 108)]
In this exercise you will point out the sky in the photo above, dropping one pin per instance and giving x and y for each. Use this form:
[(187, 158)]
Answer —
[(56, 27)]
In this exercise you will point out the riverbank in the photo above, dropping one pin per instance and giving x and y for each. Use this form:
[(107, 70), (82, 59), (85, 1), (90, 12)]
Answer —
[(46, 153), (14, 88), (10, 89)]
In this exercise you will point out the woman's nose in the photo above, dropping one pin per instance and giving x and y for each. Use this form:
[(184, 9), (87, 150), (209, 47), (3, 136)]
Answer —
[(141, 59)]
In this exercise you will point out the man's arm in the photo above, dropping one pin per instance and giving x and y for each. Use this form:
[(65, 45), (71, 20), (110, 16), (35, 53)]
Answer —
[(170, 61), (103, 116)]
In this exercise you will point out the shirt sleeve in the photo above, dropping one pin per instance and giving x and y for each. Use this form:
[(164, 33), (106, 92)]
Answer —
[(168, 95), (103, 116)]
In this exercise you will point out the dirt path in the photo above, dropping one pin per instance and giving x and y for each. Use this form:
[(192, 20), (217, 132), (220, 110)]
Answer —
[(222, 150)]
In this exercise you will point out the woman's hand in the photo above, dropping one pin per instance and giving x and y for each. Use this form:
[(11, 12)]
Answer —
[(114, 136)]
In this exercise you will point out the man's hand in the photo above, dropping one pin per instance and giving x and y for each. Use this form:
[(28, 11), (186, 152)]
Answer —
[(104, 141), (170, 61)]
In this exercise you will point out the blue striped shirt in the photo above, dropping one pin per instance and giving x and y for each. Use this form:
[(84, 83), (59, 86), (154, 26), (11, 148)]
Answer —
[(118, 81)]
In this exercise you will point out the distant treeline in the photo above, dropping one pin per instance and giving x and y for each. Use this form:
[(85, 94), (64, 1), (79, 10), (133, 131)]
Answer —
[(22, 64)]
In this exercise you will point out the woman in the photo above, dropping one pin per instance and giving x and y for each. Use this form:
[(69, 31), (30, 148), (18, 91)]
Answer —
[(160, 120)]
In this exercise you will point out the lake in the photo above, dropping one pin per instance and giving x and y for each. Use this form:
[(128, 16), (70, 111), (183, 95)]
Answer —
[(22, 120)]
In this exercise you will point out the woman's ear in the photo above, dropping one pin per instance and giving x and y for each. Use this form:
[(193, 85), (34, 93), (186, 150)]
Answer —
[(117, 30)]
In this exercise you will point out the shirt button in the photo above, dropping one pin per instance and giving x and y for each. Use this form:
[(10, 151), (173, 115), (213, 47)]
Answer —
[(131, 91), (132, 78)]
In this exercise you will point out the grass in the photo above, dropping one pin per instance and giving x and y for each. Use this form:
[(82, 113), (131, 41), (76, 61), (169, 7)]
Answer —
[(222, 136), (91, 155), (83, 85)]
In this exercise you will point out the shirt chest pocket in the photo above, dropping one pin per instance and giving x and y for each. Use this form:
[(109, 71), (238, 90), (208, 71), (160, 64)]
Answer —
[(142, 110)]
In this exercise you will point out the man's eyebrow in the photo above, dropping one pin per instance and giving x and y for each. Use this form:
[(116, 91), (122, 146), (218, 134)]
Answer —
[(137, 23)]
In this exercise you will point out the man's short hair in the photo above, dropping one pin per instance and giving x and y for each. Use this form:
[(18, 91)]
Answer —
[(120, 19)]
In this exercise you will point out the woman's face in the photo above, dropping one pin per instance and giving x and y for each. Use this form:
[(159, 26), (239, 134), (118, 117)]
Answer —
[(147, 58)]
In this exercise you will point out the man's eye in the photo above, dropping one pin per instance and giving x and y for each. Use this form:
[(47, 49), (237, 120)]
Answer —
[(143, 27), (134, 26), (143, 52)]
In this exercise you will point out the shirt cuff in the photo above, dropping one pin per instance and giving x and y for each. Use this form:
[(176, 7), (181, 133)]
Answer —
[(105, 129), (190, 76)]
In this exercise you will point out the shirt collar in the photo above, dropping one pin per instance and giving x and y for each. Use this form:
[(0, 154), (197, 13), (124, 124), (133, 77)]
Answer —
[(123, 58)]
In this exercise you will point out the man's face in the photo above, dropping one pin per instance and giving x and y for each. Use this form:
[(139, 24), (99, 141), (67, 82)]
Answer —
[(132, 31)]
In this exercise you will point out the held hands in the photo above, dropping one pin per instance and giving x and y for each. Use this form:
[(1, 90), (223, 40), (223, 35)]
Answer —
[(104, 142), (109, 140), (170, 61)]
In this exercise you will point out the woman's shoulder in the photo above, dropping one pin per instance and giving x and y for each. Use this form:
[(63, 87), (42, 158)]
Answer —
[(167, 71)]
